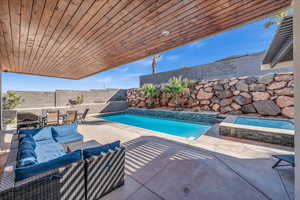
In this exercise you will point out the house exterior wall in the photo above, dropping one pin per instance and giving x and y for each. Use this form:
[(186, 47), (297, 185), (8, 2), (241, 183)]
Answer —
[(239, 66)]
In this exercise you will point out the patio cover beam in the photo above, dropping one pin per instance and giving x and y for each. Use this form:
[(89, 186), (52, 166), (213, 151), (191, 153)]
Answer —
[(77, 38)]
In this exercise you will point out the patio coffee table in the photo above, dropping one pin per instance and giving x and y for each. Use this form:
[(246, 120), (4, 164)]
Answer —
[(82, 145)]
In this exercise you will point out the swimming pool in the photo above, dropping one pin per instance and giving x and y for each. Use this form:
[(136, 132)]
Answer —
[(178, 128), (269, 123)]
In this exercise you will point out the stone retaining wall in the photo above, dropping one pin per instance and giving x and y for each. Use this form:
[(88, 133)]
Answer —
[(266, 95)]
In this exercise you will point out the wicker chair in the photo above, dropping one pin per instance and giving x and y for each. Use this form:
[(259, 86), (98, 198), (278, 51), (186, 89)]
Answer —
[(71, 116), (52, 117)]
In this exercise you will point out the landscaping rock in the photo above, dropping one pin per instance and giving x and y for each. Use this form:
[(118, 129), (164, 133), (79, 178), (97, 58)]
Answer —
[(226, 109), (215, 100), (233, 82), (284, 101), (266, 107), (224, 94), (288, 112), (249, 108), (257, 87), (246, 95), (241, 100), (266, 79), (250, 80), (218, 87), (258, 96), (208, 89), (204, 95), (235, 112), (285, 91), (283, 77), (290, 83), (242, 86), (142, 104), (205, 102), (216, 107), (235, 106), (236, 92), (225, 102), (276, 85)]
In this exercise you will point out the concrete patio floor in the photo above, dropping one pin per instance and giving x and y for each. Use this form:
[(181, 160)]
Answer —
[(161, 166)]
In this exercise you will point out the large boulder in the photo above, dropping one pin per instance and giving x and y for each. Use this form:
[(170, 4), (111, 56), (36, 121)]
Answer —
[(285, 91), (202, 95), (235, 106), (284, 101), (277, 85), (257, 87), (218, 87), (226, 102), (288, 112), (224, 94), (226, 109), (258, 96), (241, 100), (242, 86), (266, 79), (216, 107), (266, 107), (249, 108), (283, 77)]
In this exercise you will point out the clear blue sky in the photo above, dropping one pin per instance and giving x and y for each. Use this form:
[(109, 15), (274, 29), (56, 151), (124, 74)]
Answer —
[(246, 39)]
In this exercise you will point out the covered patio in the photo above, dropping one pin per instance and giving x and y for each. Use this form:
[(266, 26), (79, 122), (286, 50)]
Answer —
[(74, 39)]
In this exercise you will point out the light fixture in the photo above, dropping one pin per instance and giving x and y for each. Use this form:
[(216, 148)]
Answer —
[(165, 33)]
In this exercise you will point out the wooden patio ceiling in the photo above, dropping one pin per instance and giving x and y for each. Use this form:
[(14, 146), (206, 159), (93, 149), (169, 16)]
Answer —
[(77, 38)]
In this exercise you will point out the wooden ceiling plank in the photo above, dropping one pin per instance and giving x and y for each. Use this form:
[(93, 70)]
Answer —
[(15, 13), (208, 13), (55, 19), (70, 26), (150, 12), (50, 6), (105, 19), (26, 15), (65, 17), (87, 23), (3, 51), (52, 57), (6, 27), (182, 35), (34, 25)]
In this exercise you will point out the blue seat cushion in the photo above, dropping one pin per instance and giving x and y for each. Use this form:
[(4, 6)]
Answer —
[(27, 141), (94, 151), (64, 130), (28, 171), (38, 134), (48, 150), (69, 138)]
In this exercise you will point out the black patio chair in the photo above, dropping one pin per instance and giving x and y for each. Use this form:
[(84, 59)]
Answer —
[(82, 116)]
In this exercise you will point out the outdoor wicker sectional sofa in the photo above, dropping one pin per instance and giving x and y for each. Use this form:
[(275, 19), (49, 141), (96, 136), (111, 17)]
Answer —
[(89, 174)]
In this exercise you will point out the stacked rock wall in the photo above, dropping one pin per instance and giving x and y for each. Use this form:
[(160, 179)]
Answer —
[(266, 95)]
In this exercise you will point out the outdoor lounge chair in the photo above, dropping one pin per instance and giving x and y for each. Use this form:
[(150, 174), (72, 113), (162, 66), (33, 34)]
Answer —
[(52, 117), (71, 116), (290, 159)]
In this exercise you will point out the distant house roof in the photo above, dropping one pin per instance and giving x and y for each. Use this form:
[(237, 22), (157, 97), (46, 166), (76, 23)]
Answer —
[(281, 48)]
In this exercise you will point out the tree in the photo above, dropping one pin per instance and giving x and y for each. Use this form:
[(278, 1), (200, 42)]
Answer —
[(11, 100), (154, 62), (150, 91), (276, 19), (177, 87)]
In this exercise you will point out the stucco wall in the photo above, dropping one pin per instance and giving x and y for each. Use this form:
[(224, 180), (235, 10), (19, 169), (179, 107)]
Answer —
[(38, 99)]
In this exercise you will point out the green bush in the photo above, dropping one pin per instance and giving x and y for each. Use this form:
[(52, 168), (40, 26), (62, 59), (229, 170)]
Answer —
[(150, 91)]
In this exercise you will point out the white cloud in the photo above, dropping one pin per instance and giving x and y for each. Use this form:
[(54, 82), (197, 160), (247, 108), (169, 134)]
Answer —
[(197, 44)]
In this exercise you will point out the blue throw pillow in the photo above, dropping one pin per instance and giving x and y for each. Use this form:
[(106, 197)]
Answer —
[(64, 130), (26, 142), (28, 171), (27, 162), (94, 151), (42, 134), (27, 156)]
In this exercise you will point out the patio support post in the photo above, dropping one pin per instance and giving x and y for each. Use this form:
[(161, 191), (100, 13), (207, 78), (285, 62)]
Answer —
[(1, 106), (296, 7)]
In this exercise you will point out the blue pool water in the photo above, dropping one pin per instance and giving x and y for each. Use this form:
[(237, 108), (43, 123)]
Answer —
[(270, 123), (178, 128)]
